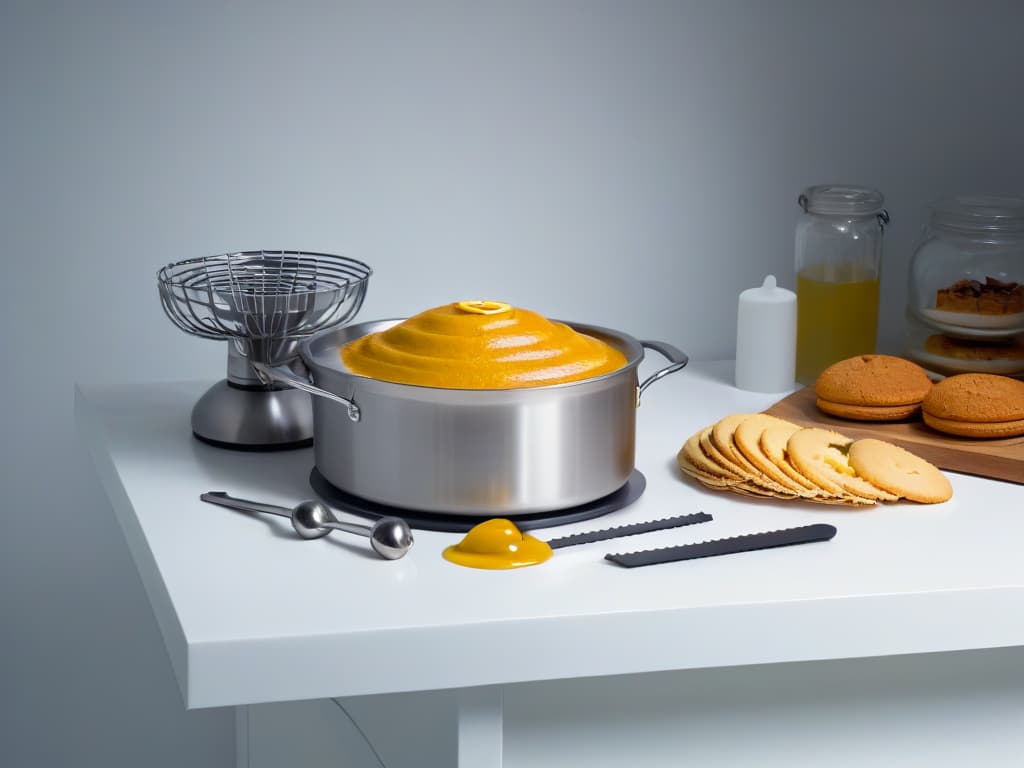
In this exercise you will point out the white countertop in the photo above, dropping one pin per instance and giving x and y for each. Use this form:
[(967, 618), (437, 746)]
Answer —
[(250, 613)]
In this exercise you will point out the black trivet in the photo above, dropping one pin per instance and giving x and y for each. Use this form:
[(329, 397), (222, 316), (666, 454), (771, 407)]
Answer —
[(436, 521)]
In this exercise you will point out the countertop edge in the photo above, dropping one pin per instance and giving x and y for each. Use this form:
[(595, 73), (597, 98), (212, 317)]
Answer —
[(494, 653), (92, 436)]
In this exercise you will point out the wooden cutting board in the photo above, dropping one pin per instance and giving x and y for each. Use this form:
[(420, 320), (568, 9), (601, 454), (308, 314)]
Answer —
[(1001, 459)]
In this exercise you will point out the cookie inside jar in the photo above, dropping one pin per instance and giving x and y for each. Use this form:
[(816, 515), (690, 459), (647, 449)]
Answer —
[(965, 308)]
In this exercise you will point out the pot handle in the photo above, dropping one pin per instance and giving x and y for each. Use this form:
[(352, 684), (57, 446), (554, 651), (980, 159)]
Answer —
[(282, 374), (675, 356)]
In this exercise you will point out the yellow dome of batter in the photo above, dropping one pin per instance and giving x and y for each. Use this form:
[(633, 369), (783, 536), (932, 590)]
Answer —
[(480, 345)]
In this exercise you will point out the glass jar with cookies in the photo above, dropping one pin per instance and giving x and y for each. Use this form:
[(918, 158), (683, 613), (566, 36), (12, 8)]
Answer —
[(838, 261), (965, 305)]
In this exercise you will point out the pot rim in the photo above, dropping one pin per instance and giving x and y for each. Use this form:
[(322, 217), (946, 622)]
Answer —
[(313, 358)]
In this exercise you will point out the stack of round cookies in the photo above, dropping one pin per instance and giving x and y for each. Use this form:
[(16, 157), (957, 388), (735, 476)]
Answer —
[(761, 455), (976, 405), (872, 388), (888, 388)]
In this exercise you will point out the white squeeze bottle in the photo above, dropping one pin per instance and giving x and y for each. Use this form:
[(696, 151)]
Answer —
[(766, 338)]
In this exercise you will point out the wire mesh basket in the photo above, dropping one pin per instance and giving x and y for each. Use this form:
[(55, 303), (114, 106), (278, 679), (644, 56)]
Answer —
[(263, 303), (262, 300)]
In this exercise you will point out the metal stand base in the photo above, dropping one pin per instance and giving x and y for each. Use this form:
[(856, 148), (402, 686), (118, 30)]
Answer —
[(253, 418)]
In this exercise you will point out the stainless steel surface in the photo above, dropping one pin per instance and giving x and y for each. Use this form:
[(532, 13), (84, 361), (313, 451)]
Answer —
[(240, 371), (476, 452), (675, 356), (253, 418), (261, 295), (390, 537), (284, 375), (262, 303)]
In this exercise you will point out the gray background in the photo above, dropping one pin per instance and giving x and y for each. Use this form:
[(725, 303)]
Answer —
[(633, 164)]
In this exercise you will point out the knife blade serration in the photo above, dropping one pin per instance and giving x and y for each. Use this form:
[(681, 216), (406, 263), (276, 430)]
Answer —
[(628, 530), (749, 542)]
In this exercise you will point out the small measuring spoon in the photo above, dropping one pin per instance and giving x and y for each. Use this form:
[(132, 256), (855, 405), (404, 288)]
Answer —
[(390, 537)]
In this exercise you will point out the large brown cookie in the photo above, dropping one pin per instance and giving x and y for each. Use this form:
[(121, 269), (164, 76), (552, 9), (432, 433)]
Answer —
[(872, 388), (983, 397)]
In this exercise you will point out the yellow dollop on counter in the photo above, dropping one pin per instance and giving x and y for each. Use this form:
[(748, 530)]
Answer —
[(497, 545), (480, 345)]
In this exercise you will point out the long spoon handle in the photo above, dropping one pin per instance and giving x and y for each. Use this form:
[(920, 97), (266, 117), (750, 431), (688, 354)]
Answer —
[(362, 530), (224, 500)]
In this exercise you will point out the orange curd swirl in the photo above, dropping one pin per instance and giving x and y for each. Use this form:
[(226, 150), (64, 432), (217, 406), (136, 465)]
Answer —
[(480, 345)]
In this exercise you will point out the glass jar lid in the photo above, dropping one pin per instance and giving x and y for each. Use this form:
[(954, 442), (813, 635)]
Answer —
[(979, 215), (841, 199)]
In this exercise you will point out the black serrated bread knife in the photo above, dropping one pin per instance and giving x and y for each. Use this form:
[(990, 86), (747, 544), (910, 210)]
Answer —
[(746, 543), (628, 530)]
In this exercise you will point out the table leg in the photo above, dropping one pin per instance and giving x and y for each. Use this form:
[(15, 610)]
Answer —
[(242, 742), (480, 727)]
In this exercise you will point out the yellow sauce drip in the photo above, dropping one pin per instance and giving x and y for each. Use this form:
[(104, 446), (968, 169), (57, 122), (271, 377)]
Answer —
[(480, 345), (496, 545)]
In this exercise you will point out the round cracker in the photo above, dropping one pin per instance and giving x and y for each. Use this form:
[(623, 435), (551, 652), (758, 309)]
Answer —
[(715, 455), (691, 468), (899, 471), (701, 461), (722, 438), (717, 483), (747, 438), (820, 454), (773, 443)]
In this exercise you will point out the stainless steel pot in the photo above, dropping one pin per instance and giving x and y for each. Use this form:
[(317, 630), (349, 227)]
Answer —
[(473, 452)]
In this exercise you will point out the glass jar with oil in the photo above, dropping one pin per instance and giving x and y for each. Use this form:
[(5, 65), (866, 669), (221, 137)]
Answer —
[(838, 262)]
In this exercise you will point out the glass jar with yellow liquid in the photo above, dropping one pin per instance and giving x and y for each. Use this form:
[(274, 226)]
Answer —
[(838, 262)]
